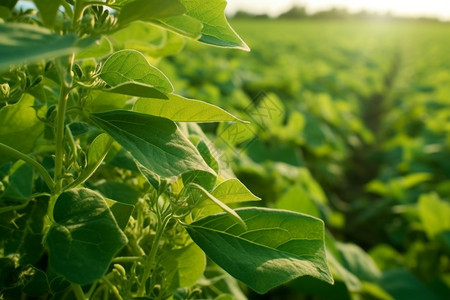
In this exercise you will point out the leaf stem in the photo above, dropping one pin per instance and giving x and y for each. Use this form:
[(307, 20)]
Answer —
[(39, 168), (79, 294), (149, 264)]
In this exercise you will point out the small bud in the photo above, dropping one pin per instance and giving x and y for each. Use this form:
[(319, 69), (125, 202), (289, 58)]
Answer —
[(5, 90)]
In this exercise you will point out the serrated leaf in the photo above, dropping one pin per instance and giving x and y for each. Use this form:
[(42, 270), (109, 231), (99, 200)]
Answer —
[(22, 43), (180, 109), (84, 238), (48, 10), (128, 72), (155, 142), (216, 30), (146, 10), (277, 247)]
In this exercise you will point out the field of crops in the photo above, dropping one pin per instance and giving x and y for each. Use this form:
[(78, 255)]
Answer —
[(146, 154), (350, 123)]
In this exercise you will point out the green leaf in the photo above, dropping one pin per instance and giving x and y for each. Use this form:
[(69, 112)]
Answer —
[(277, 247), (228, 192), (102, 101), (149, 9), (155, 142), (434, 214), (220, 204), (84, 238), (96, 154), (183, 266), (402, 285), (19, 125), (26, 43), (358, 262), (180, 109), (20, 185), (183, 25), (296, 199), (128, 72), (48, 10), (216, 30), (99, 49)]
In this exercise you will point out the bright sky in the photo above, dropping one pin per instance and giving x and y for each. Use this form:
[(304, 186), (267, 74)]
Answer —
[(432, 8)]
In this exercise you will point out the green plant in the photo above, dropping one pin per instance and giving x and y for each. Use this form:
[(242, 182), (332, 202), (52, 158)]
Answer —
[(108, 187)]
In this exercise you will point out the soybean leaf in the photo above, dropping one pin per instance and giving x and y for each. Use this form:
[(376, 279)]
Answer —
[(183, 25), (21, 43), (21, 234), (358, 262), (183, 266), (149, 9), (434, 214), (95, 156), (180, 109), (84, 238), (216, 30), (99, 49), (20, 182), (155, 142), (48, 10), (149, 39), (402, 285), (128, 72), (19, 125), (228, 192), (277, 247), (297, 199), (220, 204)]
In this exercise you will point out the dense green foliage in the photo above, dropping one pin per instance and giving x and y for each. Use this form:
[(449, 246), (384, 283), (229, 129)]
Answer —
[(350, 123), (104, 193)]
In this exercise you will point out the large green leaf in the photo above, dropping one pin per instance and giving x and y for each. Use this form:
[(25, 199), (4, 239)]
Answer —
[(183, 266), (216, 30), (180, 109), (48, 10), (155, 142), (19, 125), (277, 247), (128, 72), (85, 236), (149, 9), (26, 43)]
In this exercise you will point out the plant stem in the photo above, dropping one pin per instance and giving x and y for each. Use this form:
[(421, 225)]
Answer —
[(39, 168), (78, 292), (126, 259), (160, 227)]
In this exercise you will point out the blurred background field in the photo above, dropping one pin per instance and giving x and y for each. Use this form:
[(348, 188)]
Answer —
[(350, 122)]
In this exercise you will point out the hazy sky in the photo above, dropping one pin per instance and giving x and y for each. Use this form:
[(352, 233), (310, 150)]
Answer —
[(436, 8)]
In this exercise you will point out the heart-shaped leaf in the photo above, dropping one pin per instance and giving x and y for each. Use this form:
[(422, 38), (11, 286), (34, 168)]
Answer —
[(85, 236)]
